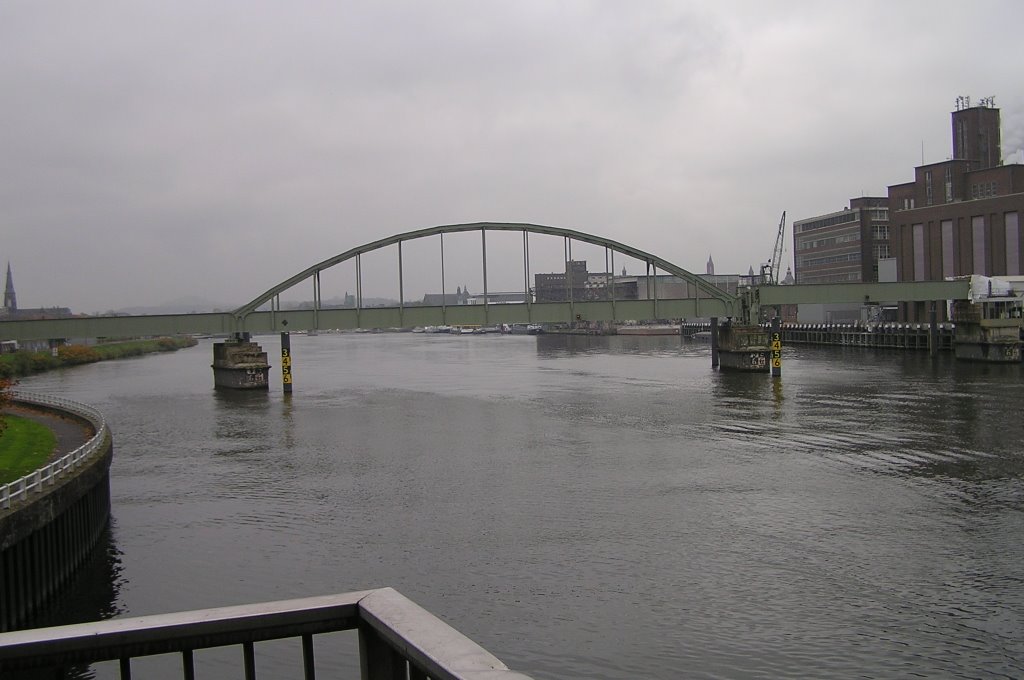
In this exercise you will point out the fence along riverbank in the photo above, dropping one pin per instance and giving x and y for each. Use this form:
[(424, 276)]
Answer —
[(885, 336), (51, 519), (882, 336)]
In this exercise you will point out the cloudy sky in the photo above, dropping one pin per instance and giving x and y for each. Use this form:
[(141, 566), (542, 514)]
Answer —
[(155, 151)]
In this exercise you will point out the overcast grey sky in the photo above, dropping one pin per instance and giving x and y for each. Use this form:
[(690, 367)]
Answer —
[(151, 151)]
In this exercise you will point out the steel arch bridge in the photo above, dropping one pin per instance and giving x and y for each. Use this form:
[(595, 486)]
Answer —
[(709, 300)]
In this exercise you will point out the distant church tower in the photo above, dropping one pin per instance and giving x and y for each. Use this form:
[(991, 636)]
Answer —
[(711, 266), (10, 300)]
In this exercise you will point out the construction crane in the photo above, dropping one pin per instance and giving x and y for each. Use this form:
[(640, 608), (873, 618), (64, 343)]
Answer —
[(771, 269)]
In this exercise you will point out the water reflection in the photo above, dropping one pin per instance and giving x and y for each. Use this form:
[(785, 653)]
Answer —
[(288, 421), (92, 595), (554, 346), (242, 418), (557, 345), (777, 396)]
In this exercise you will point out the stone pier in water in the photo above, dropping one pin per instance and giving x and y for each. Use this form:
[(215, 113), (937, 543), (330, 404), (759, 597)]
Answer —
[(240, 364), (743, 348)]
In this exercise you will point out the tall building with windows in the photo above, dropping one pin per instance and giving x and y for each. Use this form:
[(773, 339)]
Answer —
[(961, 216), (843, 246)]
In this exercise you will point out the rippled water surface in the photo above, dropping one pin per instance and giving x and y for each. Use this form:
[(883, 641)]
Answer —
[(586, 507)]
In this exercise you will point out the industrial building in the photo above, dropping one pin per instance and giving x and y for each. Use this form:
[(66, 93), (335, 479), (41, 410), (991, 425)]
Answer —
[(960, 216), (957, 217)]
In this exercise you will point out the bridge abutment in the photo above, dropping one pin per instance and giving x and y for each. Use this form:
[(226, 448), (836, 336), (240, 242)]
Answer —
[(988, 340), (986, 333)]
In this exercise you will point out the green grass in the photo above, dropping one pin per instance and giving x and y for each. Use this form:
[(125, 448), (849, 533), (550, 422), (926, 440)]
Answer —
[(25, 445)]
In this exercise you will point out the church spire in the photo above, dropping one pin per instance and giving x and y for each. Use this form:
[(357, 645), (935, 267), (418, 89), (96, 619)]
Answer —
[(10, 300), (711, 266)]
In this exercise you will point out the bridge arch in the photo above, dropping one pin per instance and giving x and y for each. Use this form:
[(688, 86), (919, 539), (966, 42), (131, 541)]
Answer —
[(650, 259)]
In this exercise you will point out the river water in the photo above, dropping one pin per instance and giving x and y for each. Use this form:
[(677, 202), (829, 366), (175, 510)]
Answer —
[(584, 507)]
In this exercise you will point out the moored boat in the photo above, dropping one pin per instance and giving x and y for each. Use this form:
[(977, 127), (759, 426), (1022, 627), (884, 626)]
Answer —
[(649, 329), (526, 329)]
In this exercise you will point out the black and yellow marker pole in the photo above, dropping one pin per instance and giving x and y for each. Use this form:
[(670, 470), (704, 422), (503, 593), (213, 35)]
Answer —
[(286, 362), (776, 348)]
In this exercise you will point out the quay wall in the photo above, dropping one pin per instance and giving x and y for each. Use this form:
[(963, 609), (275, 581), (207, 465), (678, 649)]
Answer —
[(914, 336), (910, 336), (51, 520)]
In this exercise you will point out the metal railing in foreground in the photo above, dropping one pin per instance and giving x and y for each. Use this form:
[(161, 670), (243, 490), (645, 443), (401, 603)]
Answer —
[(397, 638), (48, 475)]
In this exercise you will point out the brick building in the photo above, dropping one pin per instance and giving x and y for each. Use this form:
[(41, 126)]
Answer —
[(960, 216), (575, 284), (843, 246)]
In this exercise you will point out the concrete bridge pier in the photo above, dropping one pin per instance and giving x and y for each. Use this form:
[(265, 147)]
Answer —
[(240, 364), (743, 348)]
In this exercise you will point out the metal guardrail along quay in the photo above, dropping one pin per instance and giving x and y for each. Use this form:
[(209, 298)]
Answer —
[(397, 639), (35, 482)]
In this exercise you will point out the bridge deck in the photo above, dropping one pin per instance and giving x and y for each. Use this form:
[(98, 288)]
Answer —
[(548, 312)]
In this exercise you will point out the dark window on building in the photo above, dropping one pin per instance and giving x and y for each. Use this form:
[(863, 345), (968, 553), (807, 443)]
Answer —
[(847, 216)]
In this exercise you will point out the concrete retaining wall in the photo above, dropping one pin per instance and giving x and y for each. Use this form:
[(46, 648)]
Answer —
[(46, 537)]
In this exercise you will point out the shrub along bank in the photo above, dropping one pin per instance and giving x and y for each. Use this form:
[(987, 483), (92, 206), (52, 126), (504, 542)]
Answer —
[(23, 362)]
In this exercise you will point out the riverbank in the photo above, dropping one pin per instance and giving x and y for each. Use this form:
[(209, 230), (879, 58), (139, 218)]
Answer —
[(35, 437), (25, 445), (51, 520), (23, 363)]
